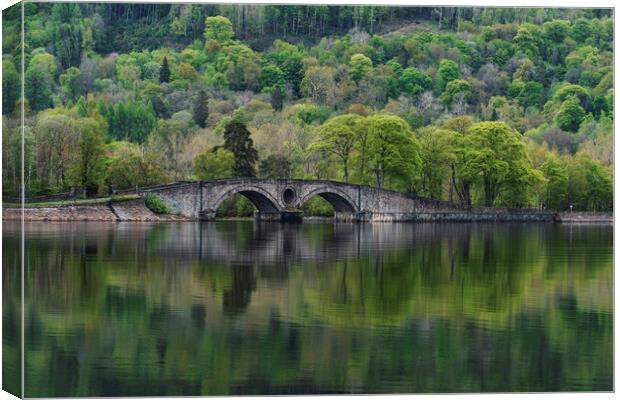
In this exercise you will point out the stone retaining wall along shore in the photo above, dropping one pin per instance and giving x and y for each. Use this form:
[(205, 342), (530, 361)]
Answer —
[(136, 210), (585, 217), (133, 210)]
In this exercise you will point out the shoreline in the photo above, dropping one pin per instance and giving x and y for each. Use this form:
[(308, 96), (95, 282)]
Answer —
[(134, 210)]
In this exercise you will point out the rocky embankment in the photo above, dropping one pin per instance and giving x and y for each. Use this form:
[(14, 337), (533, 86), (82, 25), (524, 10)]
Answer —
[(136, 210), (132, 210), (585, 217)]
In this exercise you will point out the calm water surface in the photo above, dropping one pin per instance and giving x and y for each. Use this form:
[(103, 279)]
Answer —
[(241, 308)]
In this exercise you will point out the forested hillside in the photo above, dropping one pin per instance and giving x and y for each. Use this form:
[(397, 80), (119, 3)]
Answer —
[(504, 107)]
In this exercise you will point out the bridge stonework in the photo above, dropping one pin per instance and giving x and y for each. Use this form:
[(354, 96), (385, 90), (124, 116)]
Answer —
[(275, 197)]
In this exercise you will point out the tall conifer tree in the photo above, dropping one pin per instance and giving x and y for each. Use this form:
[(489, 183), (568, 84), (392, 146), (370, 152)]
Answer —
[(201, 109)]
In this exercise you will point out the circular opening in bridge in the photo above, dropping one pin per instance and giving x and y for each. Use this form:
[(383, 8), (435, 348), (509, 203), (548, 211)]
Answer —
[(288, 196)]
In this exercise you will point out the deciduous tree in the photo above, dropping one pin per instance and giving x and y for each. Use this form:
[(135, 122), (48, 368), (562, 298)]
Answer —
[(338, 136), (215, 163), (393, 152), (275, 166)]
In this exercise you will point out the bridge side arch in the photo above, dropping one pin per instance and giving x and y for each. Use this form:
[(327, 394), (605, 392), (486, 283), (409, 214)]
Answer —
[(340, 200), (262, 199)]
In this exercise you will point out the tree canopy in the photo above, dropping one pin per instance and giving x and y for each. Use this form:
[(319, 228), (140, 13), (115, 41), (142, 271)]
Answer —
[(496, 106)]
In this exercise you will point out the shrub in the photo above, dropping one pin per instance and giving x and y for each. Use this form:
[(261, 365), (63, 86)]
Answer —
[(235, 206), (155, 204), (317, 206)]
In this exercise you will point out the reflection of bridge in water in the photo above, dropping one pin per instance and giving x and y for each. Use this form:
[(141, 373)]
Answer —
[(247, 243), (257, 243), (278, 198)]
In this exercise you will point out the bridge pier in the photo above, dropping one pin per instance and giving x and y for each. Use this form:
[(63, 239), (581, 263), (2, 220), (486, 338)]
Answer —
[(206, 215), (292, 216), (340, 216), (287, 216), (261, 216)]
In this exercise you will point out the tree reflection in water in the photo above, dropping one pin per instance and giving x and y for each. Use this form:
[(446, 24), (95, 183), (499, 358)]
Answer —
[(240, 308)]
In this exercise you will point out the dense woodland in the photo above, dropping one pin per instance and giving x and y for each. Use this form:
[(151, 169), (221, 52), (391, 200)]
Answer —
[(501, 107)]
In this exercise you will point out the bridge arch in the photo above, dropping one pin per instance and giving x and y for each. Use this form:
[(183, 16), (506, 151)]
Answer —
[(262, 199), (341, 201)]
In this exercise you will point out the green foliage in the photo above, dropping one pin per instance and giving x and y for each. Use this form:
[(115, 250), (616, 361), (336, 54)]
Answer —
[(289, 59), (201, 109), (106, 66), (532, 94), (272, 78), (275, 167), (571, 115), (37, 90), (151, 71), (338, 136), (236, 206), (311, 113), (495, 158), (67, 34), (218, 28), (436, 154), (55, 131), (527, 40), (69, 81), (556, 173), (555, 31), (566, 90), (317, 207), (359, 66), (414, 82), (127, 168), (88, 166), (215, 163), (238, 141), (590, 185), (448, 71), (131, 121), (319, 84), (456, 89), (277, 99), (155, 204), (164, 72), (393, 152), (10, 86)]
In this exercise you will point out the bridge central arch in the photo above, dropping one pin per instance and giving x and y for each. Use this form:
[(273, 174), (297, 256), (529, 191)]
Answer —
[(262, 200), (339, 200)]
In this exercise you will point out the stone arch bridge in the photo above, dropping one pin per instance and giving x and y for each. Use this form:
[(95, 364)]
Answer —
[(276, 199)]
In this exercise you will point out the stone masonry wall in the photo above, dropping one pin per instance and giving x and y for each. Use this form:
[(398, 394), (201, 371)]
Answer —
[(273, 196)]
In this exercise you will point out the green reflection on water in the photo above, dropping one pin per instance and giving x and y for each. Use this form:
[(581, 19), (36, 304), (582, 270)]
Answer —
[(239, 308)]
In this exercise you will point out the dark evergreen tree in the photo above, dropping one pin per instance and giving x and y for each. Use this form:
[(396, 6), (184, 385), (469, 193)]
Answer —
[(10, 86), (164, 72), (237, 140), (162, 110), (37, 90), (201, 109), (600, 106), (277, 98), (67, 33)]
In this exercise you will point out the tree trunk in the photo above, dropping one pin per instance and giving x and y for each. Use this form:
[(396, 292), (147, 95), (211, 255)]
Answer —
[(488, 193), (380, 177)]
